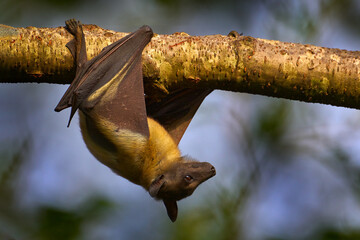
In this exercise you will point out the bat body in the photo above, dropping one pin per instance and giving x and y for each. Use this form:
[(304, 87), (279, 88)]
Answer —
[(119, 127)]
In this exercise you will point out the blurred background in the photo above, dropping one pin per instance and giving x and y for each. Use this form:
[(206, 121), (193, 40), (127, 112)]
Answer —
[(285, 169)]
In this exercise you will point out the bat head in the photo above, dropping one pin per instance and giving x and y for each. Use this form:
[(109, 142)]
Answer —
[(180, 181)]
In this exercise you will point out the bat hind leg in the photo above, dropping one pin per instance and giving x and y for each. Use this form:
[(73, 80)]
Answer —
[(77, 46), (78, 51)]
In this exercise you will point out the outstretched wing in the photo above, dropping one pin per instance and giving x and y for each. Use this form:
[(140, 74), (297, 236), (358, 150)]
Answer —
[(176, 111), (112, 81)]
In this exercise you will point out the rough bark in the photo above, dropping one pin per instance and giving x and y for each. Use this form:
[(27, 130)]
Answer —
[(170, 62)]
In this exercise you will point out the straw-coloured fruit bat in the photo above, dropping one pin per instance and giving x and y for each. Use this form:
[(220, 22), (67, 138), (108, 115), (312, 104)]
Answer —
[(138, 141)]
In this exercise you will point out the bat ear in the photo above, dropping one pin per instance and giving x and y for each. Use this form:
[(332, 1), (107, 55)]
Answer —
[(156, 185), (171, 208)]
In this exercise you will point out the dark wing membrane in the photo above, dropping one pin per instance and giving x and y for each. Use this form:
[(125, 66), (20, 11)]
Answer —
[(121, 100), (112, 82), (176, 111)]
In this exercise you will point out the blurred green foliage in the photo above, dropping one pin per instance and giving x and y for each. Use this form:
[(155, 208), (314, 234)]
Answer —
[(214, 219), (59, 224), (331, 234)]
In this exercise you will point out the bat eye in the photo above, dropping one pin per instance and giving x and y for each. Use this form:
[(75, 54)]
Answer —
[(188, 178)]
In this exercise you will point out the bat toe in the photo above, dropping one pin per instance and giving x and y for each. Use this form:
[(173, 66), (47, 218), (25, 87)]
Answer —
[(72, 25)]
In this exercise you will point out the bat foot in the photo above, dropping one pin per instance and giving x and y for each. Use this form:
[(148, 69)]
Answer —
[(74, 27), (234, 34)]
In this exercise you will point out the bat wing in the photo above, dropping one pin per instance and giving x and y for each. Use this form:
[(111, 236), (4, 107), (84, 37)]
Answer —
[(77, 49), (112, 83), (176, 111)]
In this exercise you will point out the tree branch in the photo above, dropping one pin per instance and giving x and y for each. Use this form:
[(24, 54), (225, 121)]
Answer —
[(171, 62)]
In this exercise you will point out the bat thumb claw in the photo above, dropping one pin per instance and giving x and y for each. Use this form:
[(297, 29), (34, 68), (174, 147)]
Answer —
[(71, 116)]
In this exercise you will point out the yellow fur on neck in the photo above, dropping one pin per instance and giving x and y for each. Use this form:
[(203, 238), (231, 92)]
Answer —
[(136, 158), (160, 153)]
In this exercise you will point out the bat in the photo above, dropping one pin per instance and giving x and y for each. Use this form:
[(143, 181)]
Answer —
[(135, 138)]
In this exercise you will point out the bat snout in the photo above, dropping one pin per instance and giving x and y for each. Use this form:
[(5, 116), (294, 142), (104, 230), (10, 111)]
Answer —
[(207, 171), (213, 170), (209, 168), (204, 170)]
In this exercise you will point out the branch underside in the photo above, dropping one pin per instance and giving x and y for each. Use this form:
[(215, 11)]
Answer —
[(172, 62)]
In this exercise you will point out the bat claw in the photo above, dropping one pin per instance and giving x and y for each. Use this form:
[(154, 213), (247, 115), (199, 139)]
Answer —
[(234, 34), (73, 26)]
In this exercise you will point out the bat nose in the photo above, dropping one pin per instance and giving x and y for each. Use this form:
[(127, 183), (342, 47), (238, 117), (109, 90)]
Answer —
[(213, 170)]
